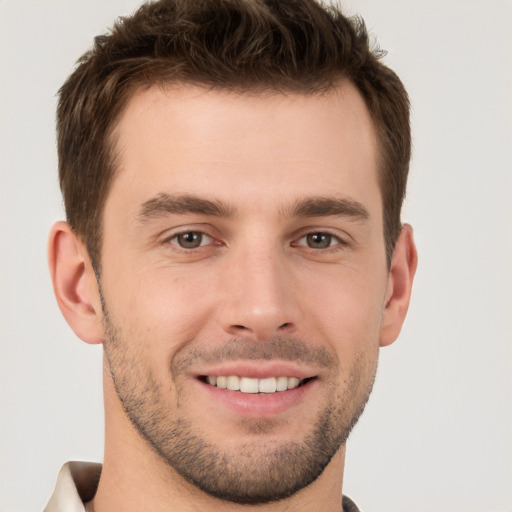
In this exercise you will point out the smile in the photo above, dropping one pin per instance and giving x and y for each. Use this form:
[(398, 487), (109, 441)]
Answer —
[(253, 385)]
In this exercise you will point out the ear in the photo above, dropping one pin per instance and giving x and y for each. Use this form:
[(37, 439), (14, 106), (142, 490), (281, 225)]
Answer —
[(398, 294), (74, 283)]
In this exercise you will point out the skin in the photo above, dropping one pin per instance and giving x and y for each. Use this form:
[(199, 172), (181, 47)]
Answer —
[(255, 282)]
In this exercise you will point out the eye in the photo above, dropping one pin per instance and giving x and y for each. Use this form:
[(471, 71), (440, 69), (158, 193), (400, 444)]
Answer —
[(319, 240), (191, 239)]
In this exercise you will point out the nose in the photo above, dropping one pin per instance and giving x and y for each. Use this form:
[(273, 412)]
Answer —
[(259, 296)]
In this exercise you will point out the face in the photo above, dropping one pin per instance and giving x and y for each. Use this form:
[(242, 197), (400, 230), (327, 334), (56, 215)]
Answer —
[(244, 281)]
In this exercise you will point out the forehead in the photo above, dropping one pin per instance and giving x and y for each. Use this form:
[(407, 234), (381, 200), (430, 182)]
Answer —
[(243, 146)]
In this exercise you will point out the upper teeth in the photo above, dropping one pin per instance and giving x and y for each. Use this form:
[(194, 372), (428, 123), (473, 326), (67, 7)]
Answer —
[(248, 385)]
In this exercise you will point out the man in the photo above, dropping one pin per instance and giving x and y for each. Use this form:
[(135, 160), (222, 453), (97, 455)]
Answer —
[(233, 173)]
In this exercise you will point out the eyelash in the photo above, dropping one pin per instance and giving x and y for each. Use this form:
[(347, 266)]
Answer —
[(338, 244)]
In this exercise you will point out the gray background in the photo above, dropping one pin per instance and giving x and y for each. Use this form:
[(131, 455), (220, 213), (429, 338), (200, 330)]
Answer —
[(437, 432)]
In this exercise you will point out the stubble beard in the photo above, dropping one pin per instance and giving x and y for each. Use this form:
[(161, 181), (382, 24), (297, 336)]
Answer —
[(257, 472)]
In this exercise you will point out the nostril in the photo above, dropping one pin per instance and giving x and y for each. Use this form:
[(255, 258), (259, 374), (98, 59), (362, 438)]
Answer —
[(261, 331)]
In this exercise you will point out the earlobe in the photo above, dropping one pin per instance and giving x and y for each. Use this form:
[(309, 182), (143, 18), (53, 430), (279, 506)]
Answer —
[(401, 276), (74, 283)]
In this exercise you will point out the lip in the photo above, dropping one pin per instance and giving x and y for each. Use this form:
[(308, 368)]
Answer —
[(258, 405), (259, 371)]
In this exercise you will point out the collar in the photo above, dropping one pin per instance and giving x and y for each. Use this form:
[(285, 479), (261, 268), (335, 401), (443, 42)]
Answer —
[(76, 484)]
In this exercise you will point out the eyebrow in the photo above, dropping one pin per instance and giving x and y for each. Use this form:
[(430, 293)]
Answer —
[(165, 204), (327, 206)]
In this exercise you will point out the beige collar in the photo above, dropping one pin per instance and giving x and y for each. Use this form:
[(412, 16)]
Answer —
[(76, 484)]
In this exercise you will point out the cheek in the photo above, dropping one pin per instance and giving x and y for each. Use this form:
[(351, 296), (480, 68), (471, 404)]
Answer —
[(158, 308), (348, 307)]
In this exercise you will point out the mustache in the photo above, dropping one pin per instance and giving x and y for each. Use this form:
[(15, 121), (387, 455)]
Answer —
[(278, 347)]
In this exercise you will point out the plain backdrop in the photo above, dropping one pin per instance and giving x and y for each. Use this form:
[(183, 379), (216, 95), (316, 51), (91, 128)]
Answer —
[(437, 433)]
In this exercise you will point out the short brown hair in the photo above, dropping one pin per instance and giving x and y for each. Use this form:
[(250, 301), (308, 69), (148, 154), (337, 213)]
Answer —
[(242, 45)]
